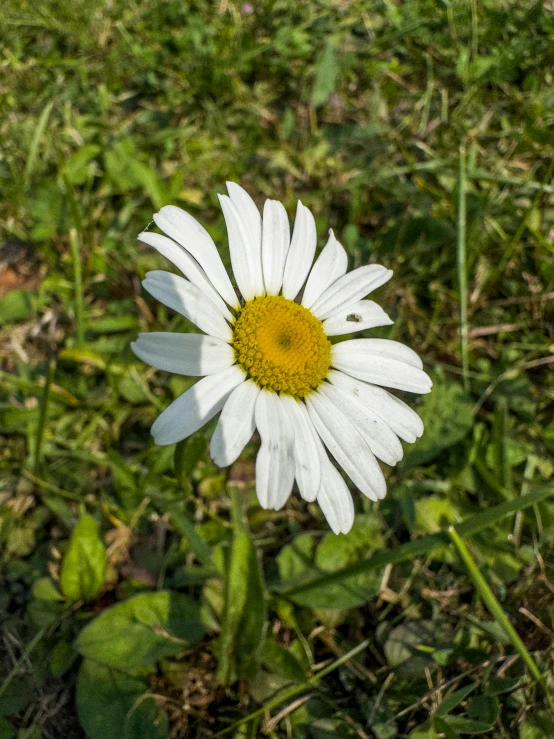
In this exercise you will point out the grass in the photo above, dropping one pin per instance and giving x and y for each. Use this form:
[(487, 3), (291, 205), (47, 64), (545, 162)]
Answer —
[(421, 132)]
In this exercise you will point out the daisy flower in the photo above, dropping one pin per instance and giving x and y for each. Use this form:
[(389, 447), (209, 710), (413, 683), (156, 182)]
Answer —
[(266, 361)]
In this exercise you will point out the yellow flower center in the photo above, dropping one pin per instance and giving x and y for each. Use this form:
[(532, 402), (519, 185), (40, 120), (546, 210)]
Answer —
[(281, 345)]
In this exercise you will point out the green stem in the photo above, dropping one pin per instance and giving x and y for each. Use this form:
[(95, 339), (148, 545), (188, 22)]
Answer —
[(237, 512), (496, 610), (51, 371), (462, 264), (297, 689), (78, 286)]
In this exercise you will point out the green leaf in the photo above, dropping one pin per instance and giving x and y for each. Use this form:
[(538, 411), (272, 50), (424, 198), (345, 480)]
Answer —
[(425, 731), (138, 632), (463, 725), (301, 561), (412, 643), (187, 455), (17, 305), (548, 436), (84, 564), (78, 168), (244, 614), (16, 696), (63, 657), (282, 662), (7, 730), (44, 589), (447, 416), (499, 447), (434, 513), (502, 685), (537, 725), (483, 708), (448, 704), (112, 705), (326, 72)]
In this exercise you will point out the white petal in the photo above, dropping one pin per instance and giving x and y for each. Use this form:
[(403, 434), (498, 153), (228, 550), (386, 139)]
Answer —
[(380, 438), (301, 252), (381, 364), (248, 211), (196, 406), (402, 419), (335, 500), (185, 230), (184, 354), (347, 445), (275, 245), (349, 288), (246, 253), (382, 348), (188, 266), (185, 298), (329, 266), (236, 424), (356, 317), (275, 460), (306, 455)]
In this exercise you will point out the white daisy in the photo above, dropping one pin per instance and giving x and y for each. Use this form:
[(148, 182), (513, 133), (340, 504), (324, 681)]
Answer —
[(266, 359)]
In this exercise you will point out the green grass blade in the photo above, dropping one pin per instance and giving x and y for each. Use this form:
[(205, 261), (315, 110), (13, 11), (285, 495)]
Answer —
[(462, 264), (78, 286), (496, 610), (33, 151), (422, 546), (42, 414), (297, 689)]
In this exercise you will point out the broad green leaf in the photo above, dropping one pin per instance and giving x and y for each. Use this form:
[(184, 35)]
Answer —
[(483, 708), (138, 632), (44, 589), (17, 305), (282, 662), (433, 513), (447, 415), (295, 559), (302, 562), (84, 564), (113, 705), (425, 731), (244, 614)]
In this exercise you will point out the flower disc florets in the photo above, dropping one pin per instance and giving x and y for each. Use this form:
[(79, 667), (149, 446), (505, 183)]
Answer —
[(281, 345)]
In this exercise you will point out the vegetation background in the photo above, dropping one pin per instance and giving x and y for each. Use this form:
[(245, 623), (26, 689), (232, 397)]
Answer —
[(144, 593)]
